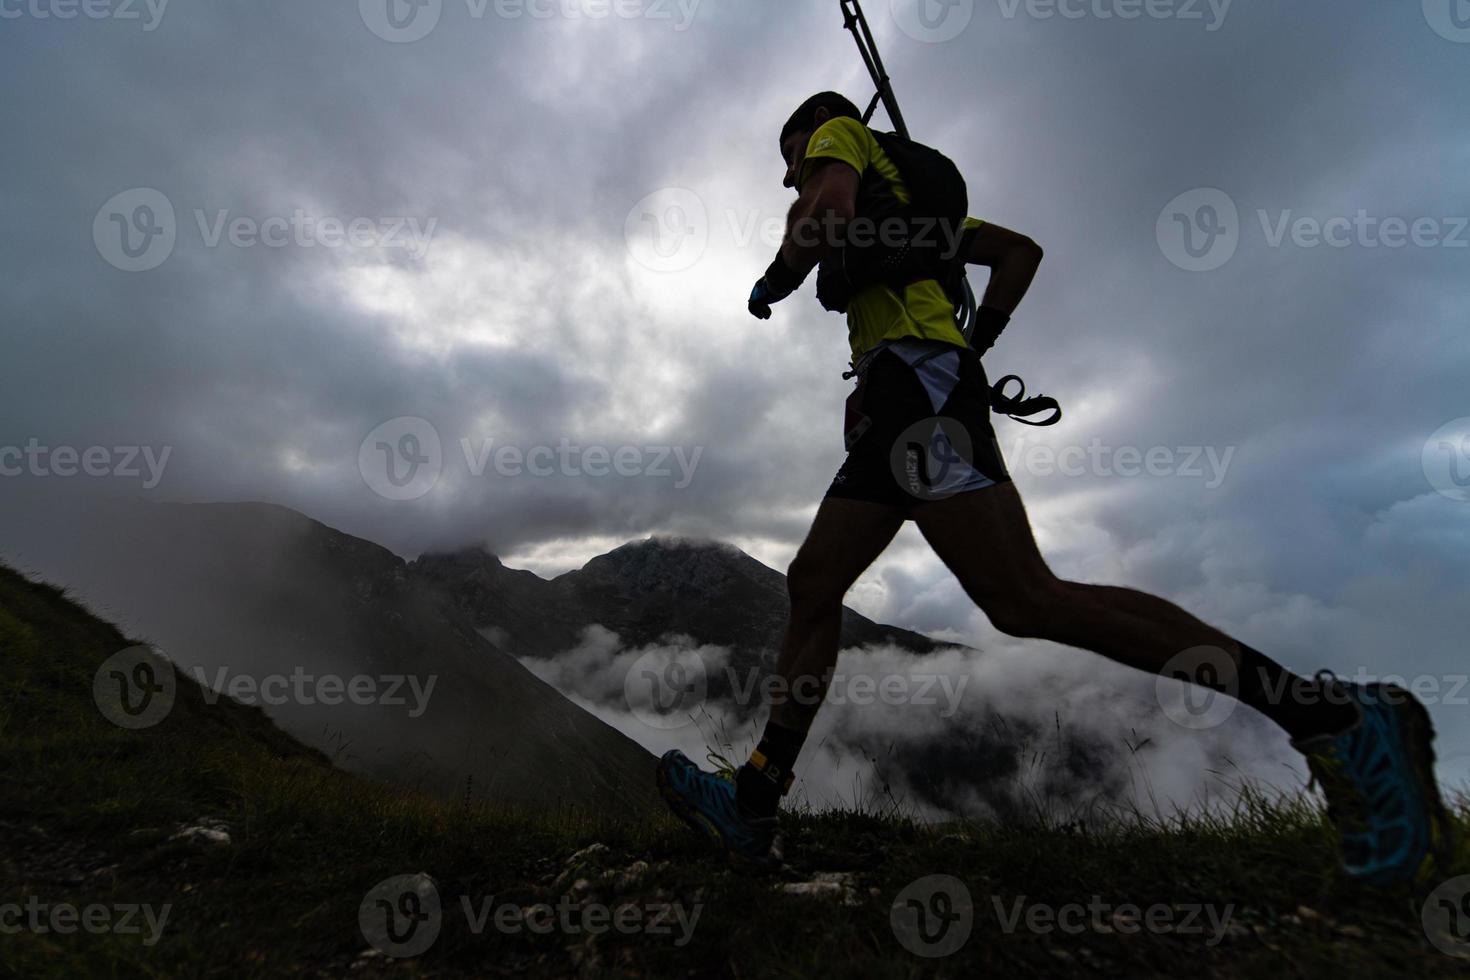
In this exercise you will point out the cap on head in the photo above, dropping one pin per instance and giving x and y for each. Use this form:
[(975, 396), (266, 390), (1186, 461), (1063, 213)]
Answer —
[(802, 119)]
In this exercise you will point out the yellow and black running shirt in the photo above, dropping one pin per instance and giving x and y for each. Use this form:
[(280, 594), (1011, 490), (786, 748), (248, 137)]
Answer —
[(878, 313)]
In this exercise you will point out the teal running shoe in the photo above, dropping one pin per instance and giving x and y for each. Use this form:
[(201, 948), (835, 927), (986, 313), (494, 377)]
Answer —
[(707, 803), (1378, 778)]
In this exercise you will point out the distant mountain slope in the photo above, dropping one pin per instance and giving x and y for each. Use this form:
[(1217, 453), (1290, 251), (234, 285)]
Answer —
[(240, 593), (257, 591), (643, 591)]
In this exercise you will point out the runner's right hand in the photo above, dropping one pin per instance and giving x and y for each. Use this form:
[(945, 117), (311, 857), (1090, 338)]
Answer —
[(761, 298)]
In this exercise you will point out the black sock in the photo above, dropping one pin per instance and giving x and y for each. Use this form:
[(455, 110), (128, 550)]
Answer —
[(1303, 707), (761, 782)]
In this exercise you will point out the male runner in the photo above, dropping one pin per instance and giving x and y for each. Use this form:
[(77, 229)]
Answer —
[(922, 394)]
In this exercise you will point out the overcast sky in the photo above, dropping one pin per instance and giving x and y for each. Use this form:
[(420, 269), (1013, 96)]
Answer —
[(557, 208)]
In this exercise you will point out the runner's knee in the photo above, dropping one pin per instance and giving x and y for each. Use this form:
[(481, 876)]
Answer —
[(811, 585), (1029, 610)]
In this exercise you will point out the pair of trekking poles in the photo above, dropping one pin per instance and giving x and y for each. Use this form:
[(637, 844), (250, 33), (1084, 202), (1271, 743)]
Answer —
[(1017, 406)]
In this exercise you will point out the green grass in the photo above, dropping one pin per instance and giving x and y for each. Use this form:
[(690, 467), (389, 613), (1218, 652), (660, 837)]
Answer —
[(88, 810)]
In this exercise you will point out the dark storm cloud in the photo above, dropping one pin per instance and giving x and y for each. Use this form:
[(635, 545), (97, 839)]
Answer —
[(521, 145)]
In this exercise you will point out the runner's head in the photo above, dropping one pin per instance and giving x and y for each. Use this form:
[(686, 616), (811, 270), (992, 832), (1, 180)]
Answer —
[(804, 121)]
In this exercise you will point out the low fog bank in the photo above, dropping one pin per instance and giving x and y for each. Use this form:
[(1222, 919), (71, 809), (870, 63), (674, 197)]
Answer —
[(1002, 734)]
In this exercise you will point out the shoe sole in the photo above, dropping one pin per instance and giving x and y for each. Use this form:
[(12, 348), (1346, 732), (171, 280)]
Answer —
[(1419, 739)]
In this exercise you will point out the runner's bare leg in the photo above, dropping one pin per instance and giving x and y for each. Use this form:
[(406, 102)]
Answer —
[(985, 538), (845, 538)]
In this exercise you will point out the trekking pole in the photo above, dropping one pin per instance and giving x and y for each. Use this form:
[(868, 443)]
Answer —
[(854, 21)]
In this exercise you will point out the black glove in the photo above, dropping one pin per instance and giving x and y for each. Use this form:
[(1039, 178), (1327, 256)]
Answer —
[(989, 322), (779, 282)]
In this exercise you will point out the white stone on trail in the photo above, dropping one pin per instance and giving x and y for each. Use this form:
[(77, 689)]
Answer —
[(208, 830), (830, 885), (586, 854)]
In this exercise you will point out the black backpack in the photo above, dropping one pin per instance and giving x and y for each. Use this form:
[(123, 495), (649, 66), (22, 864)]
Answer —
[(931, 223)]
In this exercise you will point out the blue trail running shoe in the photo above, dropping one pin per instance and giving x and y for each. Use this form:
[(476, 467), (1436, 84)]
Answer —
[(706, 802), (1378, 778)]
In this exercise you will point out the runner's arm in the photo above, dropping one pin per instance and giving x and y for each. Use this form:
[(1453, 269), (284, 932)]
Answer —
[(828, 201), (1012, 259)]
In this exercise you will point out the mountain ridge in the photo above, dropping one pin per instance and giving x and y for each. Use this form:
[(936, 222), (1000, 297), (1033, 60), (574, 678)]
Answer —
[(644, 591)]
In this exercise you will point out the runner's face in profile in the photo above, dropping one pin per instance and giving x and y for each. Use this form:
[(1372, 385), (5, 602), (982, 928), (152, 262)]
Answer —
[(794, 152)]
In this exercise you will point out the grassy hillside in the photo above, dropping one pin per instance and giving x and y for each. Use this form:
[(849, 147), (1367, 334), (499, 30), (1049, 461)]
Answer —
[(284, 851), (253, 591)]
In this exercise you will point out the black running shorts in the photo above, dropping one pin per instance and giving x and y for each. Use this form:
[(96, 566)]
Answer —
[(918, 427)]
